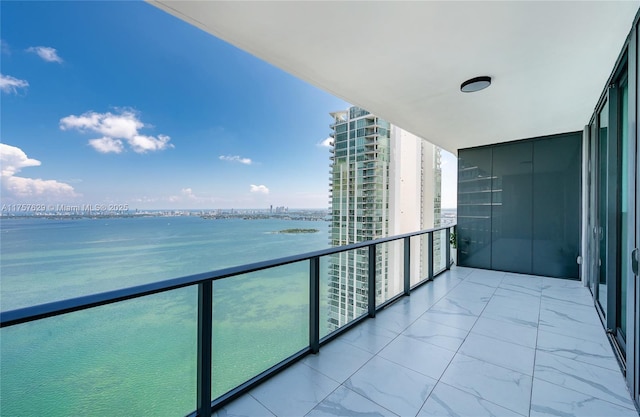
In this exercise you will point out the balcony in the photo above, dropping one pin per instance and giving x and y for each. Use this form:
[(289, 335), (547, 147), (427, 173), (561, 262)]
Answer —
[(462, 340), (589, 78), (472, 342)]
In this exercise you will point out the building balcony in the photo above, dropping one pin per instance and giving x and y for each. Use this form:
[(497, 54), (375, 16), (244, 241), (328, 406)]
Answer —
[(459, 340), (471, 342), (456, 340)]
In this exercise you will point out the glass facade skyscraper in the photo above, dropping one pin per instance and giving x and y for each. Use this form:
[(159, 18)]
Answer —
[(384, 181)]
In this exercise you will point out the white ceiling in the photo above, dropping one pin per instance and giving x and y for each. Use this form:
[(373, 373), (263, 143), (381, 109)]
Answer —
[(405, 61)]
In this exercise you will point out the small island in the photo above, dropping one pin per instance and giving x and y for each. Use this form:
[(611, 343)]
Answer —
[(299, 231)]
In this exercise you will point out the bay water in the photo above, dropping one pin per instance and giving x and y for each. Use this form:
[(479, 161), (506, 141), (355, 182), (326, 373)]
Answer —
[(138, 357)]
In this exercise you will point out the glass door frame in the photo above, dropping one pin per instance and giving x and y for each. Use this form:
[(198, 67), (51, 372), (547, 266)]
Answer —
[(603, 208), (616, 262), (633, 283), (624, 252), (593, 232)]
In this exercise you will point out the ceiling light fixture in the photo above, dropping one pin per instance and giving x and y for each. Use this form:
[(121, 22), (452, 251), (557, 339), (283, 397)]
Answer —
[(475, 84)]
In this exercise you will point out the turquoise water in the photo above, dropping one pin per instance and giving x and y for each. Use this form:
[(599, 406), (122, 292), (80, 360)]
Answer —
[(138, 357)]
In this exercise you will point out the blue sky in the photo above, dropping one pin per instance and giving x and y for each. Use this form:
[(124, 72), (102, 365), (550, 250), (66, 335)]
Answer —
[(119, 102)]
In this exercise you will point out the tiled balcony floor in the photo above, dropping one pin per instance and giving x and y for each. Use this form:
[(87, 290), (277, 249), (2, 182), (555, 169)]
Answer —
[(471, 343)]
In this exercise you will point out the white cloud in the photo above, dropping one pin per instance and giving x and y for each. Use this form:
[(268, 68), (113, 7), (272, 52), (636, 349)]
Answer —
[(189, 197), (260, 189), (9, 84), (124, 125), (20, 187), (142, 144), (47, 53), (107, 145), (115, 128), (13, 159), (327, 143), (188, 192), (236, 158)]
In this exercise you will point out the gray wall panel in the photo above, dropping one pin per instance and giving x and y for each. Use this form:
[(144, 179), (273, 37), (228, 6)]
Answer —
[(519, 206), (474, 208)]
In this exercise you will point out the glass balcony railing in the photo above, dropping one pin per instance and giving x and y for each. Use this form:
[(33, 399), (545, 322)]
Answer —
[(46, 367), (389, 271), (190, 337), (440, 242)]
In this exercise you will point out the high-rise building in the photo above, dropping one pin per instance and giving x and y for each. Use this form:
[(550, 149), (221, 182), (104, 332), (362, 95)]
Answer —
[(384, 181)]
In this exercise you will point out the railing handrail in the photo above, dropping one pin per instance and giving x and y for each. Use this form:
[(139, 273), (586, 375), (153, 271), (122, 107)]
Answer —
[(56, 308)]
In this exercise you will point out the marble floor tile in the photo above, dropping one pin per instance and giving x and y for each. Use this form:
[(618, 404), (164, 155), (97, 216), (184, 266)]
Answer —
[(457, 320), (583, 299), (393, 320), (368, 336), (584, 331), (509, 355), (345, 403), (436, 334), (518, 299), (472, 291), (566, 291), (487, 278), (453, 276), (461, 270), (455, 273), (533, 282), (412, 308), (595, 353), (588, 379), (295, 391), (551, 283), (501, 386), (513, 290), (338, 360), (459, 306), (554, 315), (245, 406), (446, 400), (433, 290), (394, 387), (498, 310), (587, 313), (553, 400), (506, 331), (491, 343), (518, 290), (428, 359), (577, 300)]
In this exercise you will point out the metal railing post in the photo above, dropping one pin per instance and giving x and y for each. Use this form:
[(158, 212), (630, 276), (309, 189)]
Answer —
[(205, 333), (407, 266), (448, 246), (314, 304), (372, 281), (430, 252)]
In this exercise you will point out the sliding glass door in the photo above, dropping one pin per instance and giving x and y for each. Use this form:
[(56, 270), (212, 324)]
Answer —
[(614, 215), (632, 307), (603, 241), (625, 221)]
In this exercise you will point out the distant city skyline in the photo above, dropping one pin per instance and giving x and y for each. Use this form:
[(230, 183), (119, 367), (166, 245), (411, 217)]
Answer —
[(156, 114)]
